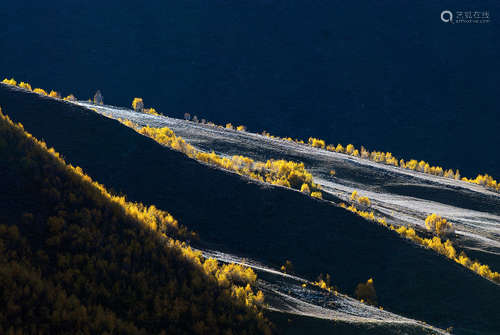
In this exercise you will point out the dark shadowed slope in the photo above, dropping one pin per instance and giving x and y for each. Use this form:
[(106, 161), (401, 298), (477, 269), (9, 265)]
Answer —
[(75, 259), (266, 223)]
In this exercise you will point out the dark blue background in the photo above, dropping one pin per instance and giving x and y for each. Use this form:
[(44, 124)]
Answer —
[(386, 74)]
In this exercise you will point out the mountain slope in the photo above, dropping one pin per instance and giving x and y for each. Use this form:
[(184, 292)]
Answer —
[(76, 259), (402, 196), (270, 224)]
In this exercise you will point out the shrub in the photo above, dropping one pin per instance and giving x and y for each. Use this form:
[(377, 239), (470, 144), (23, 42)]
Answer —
[(317, 194), (366, 292), (287, 267), (363, 201), (151, 111), (305, 189), (70, 97)]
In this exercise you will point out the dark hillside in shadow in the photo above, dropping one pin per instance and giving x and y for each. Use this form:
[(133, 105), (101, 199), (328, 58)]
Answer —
[(75, 259), (299, 325), (266, 223)]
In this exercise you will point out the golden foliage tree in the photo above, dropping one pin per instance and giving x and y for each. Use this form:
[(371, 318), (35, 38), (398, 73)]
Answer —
[(138, 104), (438, 225), (40, 91), (305, 189), (54, 94), (25, 86)]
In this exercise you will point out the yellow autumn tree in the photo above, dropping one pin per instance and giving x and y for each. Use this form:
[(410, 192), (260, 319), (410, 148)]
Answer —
[(138, 104), (54, 94), (316, 142), (305, 189), (364, 201), (25, 86), (354, 195), (317, 194), (349, 149), (40, 91), (438, 225)]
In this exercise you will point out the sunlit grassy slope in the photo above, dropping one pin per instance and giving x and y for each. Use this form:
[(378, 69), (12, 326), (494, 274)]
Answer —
[(266, 223)]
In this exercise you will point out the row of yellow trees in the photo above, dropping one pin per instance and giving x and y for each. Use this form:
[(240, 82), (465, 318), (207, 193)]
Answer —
[(277, 172), (436, 225), (384, 158), (412, 164), (137, 103), (40, 91), (376, 156), (387, 158)]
